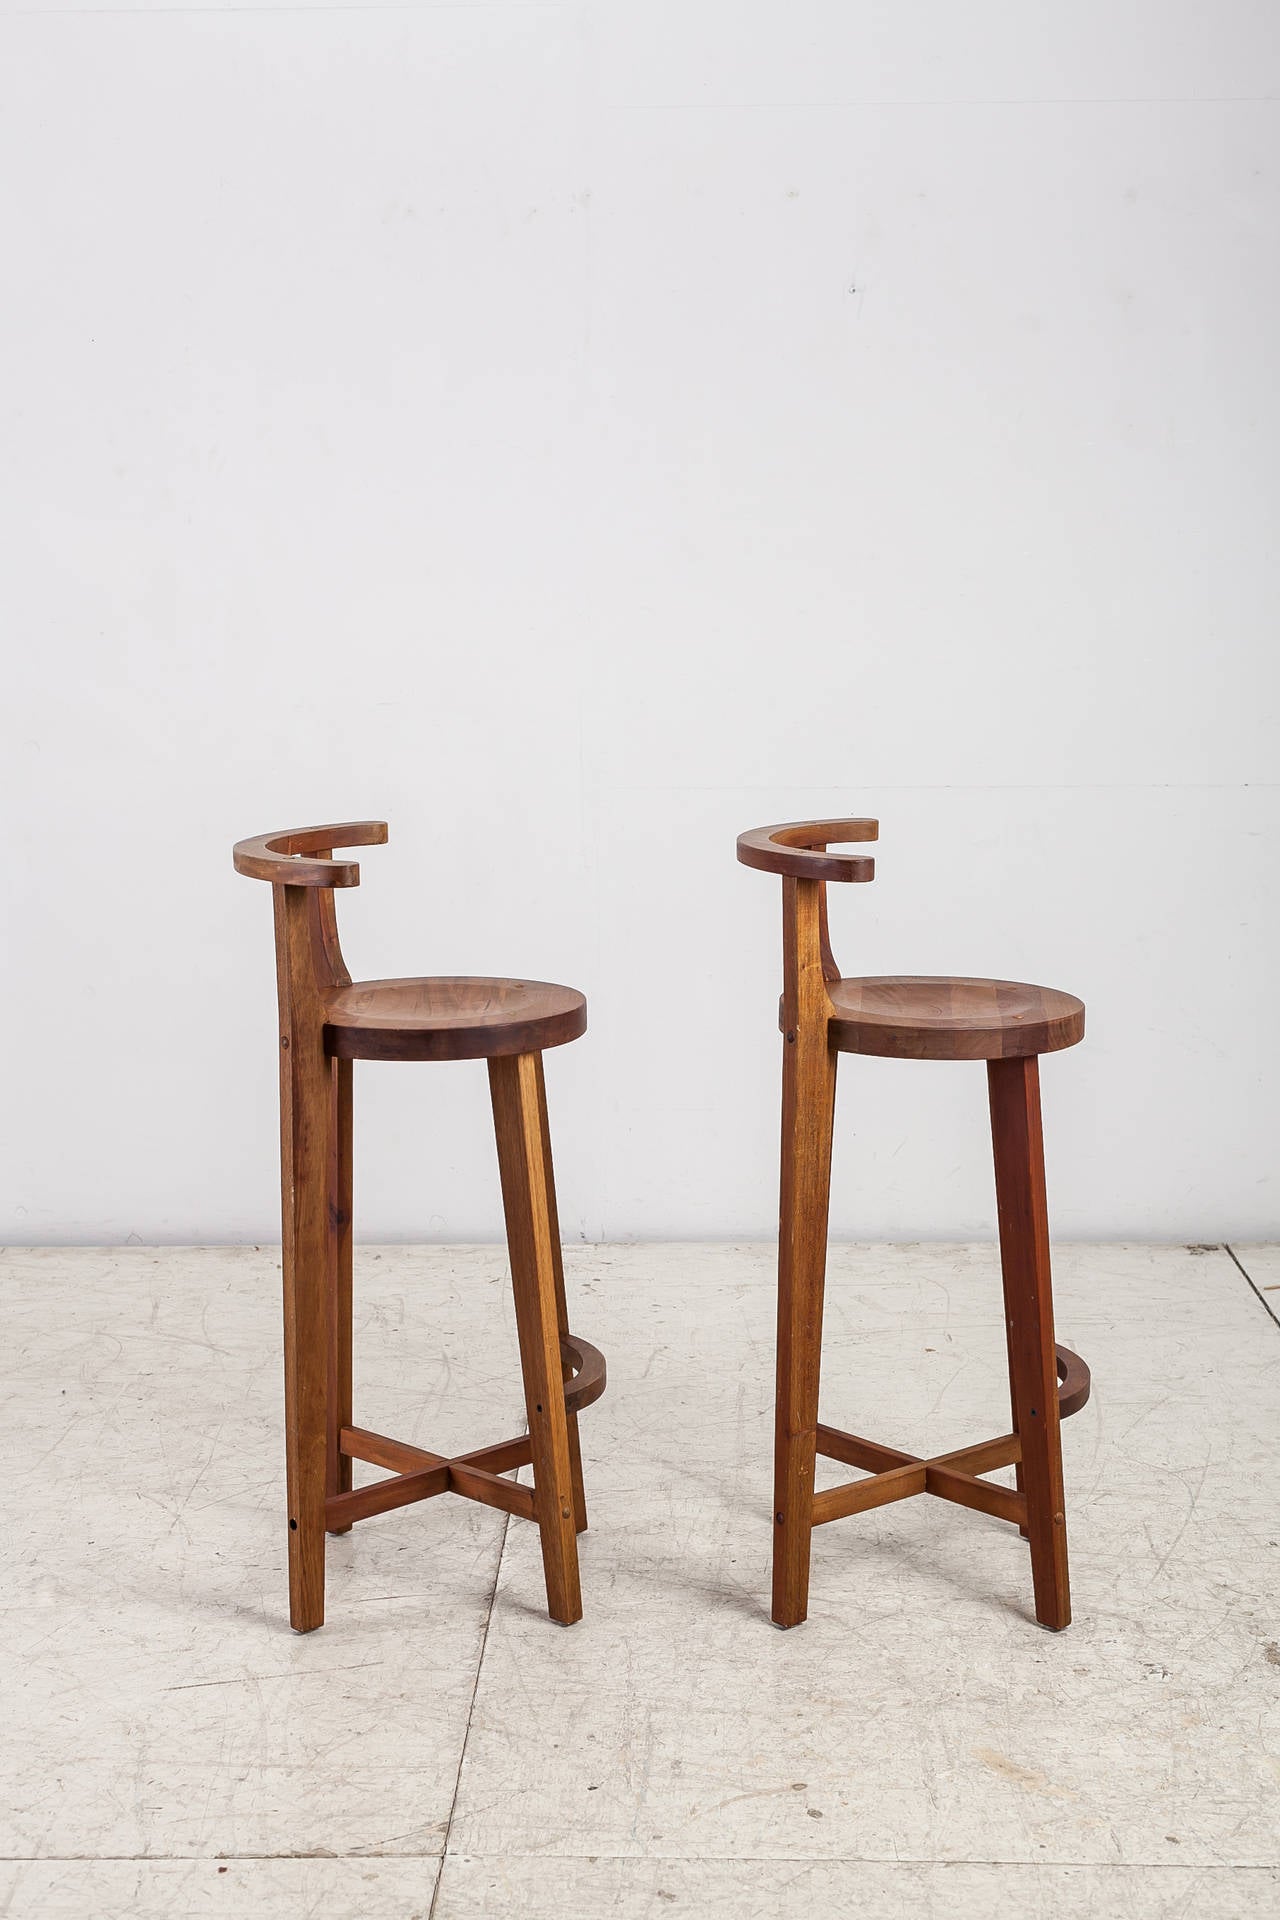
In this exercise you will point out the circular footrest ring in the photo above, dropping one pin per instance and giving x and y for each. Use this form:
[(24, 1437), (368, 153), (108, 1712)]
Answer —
[(589, 1375), (1074, 1382)]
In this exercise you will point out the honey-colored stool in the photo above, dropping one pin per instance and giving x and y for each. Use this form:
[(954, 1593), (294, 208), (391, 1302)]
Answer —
[(326, 1023), (909, 1018)]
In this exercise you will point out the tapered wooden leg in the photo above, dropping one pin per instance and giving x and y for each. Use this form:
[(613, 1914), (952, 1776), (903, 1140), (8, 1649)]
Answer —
[(307, 1114), (1024, 1256), (524, 1167), (808, 1103), (338, 1464), (562, 1309)]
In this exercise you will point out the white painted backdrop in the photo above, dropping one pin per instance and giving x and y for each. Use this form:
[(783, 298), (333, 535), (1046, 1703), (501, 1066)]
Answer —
[(575, 433)]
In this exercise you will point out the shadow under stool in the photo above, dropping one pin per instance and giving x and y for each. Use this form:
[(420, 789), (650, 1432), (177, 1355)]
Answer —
[(326, 1023), (909, 1017)]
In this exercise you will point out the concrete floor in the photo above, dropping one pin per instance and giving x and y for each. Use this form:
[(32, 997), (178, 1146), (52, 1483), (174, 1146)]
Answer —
[(439, 1749)]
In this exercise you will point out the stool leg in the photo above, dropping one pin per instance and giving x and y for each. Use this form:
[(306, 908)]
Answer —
[(338, 1467), (1018, 1144), (562, 1309), (808, 1106), (306, 1114), (525, 1169)]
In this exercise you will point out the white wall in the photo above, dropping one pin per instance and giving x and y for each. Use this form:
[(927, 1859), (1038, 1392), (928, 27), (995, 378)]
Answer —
[(578, 432)]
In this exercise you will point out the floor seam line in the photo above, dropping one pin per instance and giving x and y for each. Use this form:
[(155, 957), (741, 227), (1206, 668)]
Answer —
[(466, 1732), (1254, 1289), (648, 1859)]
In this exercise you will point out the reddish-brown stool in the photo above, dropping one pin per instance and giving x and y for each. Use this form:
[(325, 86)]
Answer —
[(909, 1018), (326, 1023)]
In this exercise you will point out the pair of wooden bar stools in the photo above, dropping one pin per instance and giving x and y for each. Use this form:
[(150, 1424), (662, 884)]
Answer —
[(327, 1022)]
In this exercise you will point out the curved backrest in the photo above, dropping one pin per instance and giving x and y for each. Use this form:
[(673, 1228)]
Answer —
[(798, 849), (300, 856)]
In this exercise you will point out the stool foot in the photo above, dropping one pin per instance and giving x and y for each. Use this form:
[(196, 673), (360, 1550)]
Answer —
[(1018, 1144), (524, 1165)]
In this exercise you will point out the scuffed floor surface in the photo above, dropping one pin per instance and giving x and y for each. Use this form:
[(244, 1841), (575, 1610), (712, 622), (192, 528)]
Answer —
[(440, 1751)]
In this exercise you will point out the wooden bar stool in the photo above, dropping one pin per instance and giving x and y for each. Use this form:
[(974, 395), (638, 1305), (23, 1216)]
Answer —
[(327, 1022), (909, 1018)]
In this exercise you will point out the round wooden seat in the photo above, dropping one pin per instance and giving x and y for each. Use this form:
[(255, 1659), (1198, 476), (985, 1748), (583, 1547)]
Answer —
[(451, 1017), (950, 1017)]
